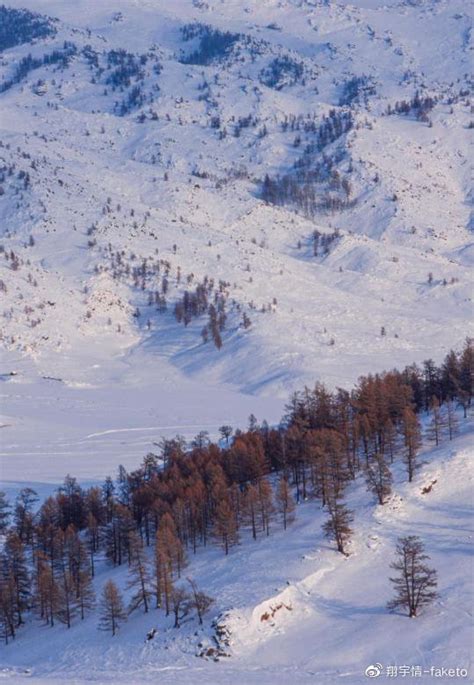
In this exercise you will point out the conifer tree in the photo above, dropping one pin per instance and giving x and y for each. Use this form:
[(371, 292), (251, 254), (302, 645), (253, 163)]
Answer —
[(265, 499), (118, 534), (139, 575), (108, 497), (450, 376), (434, 431), (67, 599), (214, 327), (63, 570), (249, 508), (466, 374), (412, 439), (93, 540), (17, 569), (415, 584), (46, 596), (285, 502), (169, 557), (112, 612), (451, 420), (226, 432), (180, 602), (390, 443), (85, 592), (337, 527), (379, 478), (4, 513), (163, 580), (225, 526), (199, 600), (7, 607), (23, 515)]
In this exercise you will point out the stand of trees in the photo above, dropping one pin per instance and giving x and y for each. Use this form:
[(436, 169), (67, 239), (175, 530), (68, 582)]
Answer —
[(314, 183), (419, 105), (19, 26), (213, 43), (282, 71), (184, 497), (62, 57)]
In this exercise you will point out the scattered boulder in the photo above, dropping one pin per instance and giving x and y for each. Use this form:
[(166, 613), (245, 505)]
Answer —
[(151, 634), (267, 615), (428, 488), (220, 638)]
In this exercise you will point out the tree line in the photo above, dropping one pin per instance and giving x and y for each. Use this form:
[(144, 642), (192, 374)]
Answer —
[(185, 496)]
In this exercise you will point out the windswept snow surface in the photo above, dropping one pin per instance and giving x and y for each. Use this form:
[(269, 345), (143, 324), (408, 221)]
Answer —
[(330, 622), (50, 427)]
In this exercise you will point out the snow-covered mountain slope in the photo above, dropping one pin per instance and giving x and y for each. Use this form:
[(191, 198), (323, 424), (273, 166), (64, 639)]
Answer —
[(213, 96), (291, 608)]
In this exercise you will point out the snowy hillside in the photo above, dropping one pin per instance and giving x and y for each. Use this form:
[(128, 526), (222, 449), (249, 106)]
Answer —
[(294, 609), (213, 97)]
